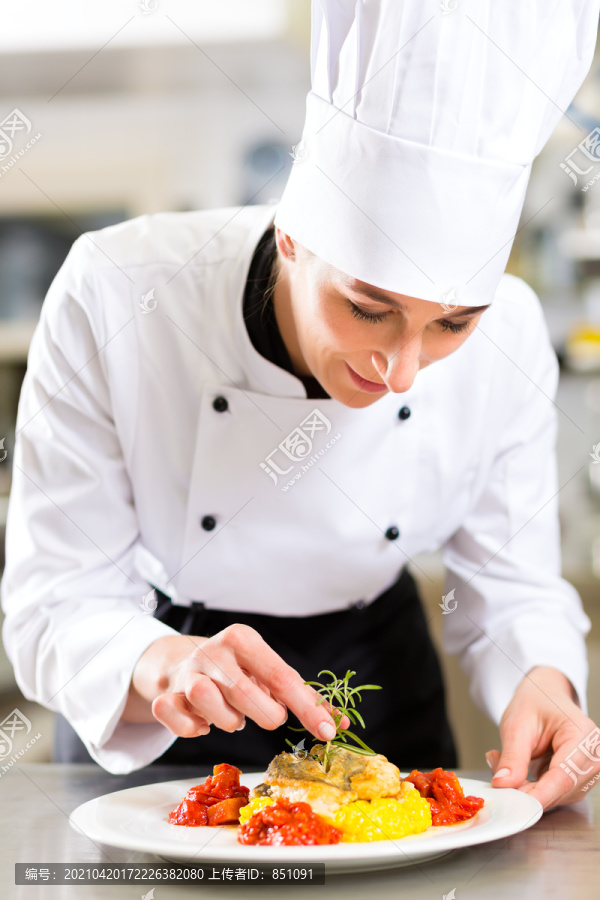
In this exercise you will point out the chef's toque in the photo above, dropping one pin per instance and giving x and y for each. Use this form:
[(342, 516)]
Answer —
[(421, 127)]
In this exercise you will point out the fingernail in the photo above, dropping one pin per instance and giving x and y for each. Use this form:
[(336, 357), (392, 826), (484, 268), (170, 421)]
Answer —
[(242, 726), (488, 762), (327, 731), (502, 773)]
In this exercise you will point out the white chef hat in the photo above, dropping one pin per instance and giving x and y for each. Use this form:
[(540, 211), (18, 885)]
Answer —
[(421, 127)]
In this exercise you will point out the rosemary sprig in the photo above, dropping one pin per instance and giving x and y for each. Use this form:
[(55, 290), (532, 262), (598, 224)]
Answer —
[(342, 702)]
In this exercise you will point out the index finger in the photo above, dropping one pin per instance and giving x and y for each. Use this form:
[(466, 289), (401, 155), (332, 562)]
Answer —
[(287, 685)]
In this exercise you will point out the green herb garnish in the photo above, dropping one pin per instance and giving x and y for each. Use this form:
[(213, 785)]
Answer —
[(341, 699)]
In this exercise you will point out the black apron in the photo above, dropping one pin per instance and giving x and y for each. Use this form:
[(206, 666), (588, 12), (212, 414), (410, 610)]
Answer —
[(385, 642)]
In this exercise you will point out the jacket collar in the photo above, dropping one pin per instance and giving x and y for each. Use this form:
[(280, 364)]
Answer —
[(263, 375)]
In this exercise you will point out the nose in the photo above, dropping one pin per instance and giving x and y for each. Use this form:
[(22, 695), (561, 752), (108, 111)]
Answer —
[(398, 368)]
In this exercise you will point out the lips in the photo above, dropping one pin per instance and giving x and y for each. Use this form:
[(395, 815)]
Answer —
[(364, 385)]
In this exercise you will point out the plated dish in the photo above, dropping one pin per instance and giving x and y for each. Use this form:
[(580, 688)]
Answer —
[(136, 819), (339, 803), (357, 798)]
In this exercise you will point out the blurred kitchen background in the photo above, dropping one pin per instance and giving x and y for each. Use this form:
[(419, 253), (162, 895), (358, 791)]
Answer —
[(111, 110)]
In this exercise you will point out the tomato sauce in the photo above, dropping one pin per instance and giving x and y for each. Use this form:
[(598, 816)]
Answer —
[(287, 823), (189, 812), (445, 796), (217, 801)]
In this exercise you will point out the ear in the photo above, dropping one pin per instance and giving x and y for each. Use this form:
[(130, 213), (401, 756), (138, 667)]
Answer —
[(285, 245)]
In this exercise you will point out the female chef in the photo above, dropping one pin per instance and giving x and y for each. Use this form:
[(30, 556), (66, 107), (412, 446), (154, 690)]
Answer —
[(239, 426)]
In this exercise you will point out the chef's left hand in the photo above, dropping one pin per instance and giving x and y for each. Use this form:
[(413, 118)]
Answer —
[(542, 726)]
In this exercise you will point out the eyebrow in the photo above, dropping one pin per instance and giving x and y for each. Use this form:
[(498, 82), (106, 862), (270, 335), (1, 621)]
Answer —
[(380, 297)]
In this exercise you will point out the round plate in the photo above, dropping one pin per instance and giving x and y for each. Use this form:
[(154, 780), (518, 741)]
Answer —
[(136, 819)]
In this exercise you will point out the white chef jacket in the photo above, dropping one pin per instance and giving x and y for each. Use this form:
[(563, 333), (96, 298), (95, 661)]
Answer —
[(121, 456)]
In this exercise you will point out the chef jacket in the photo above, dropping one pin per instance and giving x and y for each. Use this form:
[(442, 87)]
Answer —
[(156, 446)]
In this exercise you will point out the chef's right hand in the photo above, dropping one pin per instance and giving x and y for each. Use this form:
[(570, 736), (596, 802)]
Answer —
[(189, 683)]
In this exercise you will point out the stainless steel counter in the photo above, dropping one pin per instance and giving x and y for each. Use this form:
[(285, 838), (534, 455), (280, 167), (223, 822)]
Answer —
[(559, 857)]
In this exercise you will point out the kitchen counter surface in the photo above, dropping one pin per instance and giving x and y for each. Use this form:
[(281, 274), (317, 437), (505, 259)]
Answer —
[(559, 857)]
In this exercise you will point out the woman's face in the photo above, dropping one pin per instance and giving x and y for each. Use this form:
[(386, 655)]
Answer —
[(335, 329)]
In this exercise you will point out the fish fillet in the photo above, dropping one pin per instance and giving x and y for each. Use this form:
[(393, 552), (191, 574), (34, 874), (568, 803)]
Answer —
[(349, 777)]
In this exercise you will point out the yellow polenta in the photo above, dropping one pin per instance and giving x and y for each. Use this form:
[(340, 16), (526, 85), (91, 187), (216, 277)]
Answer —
[(383, 819)]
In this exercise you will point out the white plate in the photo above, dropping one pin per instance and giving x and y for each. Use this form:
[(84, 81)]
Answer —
[(136, 819)]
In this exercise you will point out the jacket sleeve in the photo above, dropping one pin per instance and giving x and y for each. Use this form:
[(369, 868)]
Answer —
[(512, 610), (75, 624)]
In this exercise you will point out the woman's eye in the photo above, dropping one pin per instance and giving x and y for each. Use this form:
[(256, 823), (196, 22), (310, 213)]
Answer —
[(445, 325), (366, 316), (455, 327)]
